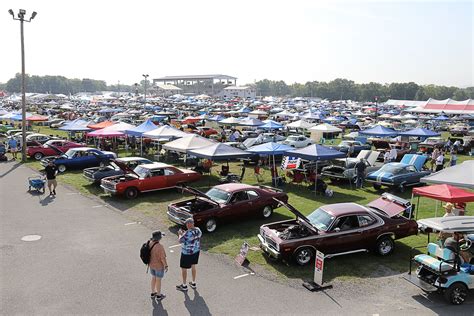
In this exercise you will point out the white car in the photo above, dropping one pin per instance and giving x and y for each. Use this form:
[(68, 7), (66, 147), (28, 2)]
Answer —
[(272, 137), (297, 141)]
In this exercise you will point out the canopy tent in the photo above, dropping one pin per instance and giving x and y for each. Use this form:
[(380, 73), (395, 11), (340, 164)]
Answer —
[(269, 124), (18, 117), (326, 128), (76, 126), (100, 125), (138, 131), (300, 124), (112, 131), (37, 118), (270, 149), (190, 142), (165, 131), (250, 122), (441, 118), (230, 121), (312, 116), (420, 132), (379, 131), (219, 151), (461, 175), (316, 153)]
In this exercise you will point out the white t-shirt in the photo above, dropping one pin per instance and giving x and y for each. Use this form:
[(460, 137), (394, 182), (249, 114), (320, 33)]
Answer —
[(440, 160)]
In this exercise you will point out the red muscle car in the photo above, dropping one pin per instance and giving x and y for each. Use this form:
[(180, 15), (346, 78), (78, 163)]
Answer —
[(147, 177), (338, 229), (226, 203), (51, 148)]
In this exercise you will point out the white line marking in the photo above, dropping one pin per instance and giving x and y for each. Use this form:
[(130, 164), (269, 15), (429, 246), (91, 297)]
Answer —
[(178, 245), (241, 276), (132, 223), (72, 193), (96, 206)]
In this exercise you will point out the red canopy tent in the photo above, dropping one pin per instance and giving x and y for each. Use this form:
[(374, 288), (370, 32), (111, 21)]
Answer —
[(445, 193), (101, 125), (37, 118)]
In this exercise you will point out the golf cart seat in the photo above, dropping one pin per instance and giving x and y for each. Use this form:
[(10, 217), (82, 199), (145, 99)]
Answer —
[(436, 258)]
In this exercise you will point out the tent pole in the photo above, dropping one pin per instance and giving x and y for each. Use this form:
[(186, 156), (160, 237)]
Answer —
[(436, 209), (141, 146), (417, 207), (316, 178)]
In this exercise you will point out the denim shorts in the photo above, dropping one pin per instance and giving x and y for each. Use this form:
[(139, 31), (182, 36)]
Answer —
[(157, 273)]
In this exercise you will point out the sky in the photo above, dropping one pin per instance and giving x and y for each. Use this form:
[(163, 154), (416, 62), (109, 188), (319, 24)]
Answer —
[(428, 42)]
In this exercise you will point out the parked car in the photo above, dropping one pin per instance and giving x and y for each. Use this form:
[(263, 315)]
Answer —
[(440, 270), (146, 178), (229, 202), (343, 168), (58, 124), (114, 168), (430, 143), (51, 148), (272, 137), (39, 138), (297, 141), (338, 229), (205, 131), (345, 144), (399, 175), (381, 146), (80, 158), (459, 129)]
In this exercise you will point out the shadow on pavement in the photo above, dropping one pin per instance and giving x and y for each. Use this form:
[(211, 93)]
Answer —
[(48, 199), (196, 306), (440, 306), (16, 165), (158, 309)]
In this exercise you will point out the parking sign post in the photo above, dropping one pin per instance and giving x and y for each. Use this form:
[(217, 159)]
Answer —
[(317, 283)]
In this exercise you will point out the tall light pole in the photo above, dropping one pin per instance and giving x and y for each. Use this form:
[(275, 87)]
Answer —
[(21, 17), (146, 81)]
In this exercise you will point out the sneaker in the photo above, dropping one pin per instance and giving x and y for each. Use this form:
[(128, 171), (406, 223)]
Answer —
[(54, 192), (182, 287), (192, 285), (160, 297), (153, 295)]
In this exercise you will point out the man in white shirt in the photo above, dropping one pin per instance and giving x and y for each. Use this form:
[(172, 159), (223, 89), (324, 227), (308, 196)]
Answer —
[(393, 154), (440, 162)]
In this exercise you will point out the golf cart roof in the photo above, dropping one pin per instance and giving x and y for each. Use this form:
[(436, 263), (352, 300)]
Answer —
[(449, 224)]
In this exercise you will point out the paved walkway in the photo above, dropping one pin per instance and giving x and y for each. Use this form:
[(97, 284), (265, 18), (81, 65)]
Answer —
[(87, 262)]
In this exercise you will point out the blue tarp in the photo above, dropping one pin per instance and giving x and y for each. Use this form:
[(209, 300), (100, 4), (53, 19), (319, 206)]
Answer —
[(270, 149), (420, 132), (76, 126), (269, 124), (219, 151), (441, 118), (142, 128), (379, 131), (250, 122), (316, 152)]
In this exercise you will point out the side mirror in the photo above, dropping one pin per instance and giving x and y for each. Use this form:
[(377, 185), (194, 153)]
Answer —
[(337, 229)]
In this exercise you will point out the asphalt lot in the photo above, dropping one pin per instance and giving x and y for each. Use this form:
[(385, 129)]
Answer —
[(87, 262)]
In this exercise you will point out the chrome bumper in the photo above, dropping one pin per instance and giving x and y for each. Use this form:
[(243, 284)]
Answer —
[(267, 249), (175, 219), (108, 190), (91, 180)]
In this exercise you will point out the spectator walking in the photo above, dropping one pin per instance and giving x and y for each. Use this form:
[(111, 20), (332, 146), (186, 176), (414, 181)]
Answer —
[(158, 265), (434, 155), (13, 146), (440, 162), (360, 168), (393, 153), (350, 150), (454, 158), (386, 156), (190, 240), (51, 172)]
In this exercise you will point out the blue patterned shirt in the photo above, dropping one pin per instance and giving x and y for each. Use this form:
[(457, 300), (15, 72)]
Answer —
[(191, 241)]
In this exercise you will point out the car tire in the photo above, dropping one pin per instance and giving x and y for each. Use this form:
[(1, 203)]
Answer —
[(211, 225), (131, 193), (456, 294), (385, 246), (38, 156), (304, 256), (61, 168), (267, 211), (377, 186)]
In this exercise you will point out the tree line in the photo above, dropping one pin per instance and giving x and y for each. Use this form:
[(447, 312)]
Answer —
[(338, 89), (343, 89)]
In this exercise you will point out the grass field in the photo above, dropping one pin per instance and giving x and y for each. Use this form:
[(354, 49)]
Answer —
[(228, 239)]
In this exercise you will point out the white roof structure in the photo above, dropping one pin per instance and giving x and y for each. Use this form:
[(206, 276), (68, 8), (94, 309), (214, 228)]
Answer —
[(165, 131), (168, 87), (326, 128), (407, 103), (190, 142), (461, 175), (448, 106), (237, 88)]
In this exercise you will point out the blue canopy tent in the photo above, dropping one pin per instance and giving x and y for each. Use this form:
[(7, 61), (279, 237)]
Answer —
[(271, 149), (379, 131), (269, 124), (138, 131), (250, 122), (316, 153), (420, 132), (441, 118), (76, 126), (219, 151)]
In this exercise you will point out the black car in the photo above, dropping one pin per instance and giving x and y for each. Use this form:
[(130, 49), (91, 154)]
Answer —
[(95, 174)]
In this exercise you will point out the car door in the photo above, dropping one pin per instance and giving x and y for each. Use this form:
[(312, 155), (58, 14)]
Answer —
[(155, 180), (412, 176), (255, 203), (238, 206), (347, 233)]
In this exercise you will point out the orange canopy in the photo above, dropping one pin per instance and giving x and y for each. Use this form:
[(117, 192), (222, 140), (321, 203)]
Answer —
[(100, 125)]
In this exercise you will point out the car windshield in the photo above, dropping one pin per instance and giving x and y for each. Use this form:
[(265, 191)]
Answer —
[(142, 172), (320, 219), (389, 168), (70, 153), (293, 138), (217, 195)]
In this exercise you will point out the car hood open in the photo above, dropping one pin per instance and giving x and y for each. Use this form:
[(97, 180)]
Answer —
[(124, 167), (297, 213), (197, 193)]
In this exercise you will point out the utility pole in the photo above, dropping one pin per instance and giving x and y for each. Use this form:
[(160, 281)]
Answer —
[(146, 81), (21, 17)]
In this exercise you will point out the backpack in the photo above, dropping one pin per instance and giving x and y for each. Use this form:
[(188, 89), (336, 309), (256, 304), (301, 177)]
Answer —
[(145, 252)]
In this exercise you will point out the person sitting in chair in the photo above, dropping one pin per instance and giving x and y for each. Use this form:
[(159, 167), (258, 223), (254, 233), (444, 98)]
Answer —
[(453, 243)]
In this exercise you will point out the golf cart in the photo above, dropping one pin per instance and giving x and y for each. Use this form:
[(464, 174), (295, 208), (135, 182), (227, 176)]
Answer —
[(442, 270)]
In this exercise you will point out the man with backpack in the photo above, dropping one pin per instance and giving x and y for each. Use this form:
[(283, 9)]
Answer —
[(153, 254)]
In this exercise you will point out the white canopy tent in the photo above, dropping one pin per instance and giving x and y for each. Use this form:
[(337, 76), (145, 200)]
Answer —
[(461, 175), (189, 142), (165, 131), (300, 124)]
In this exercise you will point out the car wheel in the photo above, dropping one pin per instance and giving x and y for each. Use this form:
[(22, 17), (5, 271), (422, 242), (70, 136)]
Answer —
[(131, 193), (38, 156), (456, 293), (385, 246), (377, 186), (267, 211), (304, 256), (61, 168), (211, 225)]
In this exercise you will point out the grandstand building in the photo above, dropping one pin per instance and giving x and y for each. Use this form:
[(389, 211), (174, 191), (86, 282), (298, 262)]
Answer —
[(198, 84)]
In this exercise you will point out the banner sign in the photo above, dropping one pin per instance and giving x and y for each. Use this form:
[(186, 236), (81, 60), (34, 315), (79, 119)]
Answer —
[(244, 250), (318, 268), (289, 163)]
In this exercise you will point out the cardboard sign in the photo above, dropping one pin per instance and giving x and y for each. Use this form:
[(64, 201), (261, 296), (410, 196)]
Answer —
[(318, 268), (290, 163), (244, 250)]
